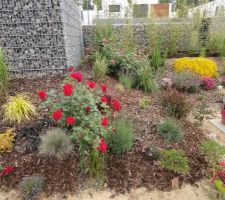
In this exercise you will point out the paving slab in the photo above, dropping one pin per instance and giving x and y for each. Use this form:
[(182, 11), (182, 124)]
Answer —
[(218, 124)]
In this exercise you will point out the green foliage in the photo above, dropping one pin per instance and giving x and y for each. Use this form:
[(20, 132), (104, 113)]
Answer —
[(153, 32), (186, 81), (98, 3), (215, 42), (157, 59), (3, 75), (146, 80), (121, 140), (174, 33), (127, 40), (103, 38), (94, 165), (213, 151), (31, 186), (200, 97), (170, 131), (174, 160), (100, 67), (144, 102), (126, 62), (175, 103), (126, 80), (222, 50), (56, 143), (152, 152), (18, 109), (203, 52)]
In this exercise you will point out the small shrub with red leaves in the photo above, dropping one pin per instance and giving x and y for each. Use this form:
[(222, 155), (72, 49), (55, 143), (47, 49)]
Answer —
[(175, 103), (4, 172), (85, 109), (208, 83)]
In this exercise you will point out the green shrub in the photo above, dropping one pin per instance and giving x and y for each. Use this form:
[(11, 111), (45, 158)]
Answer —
[(157, 59), (146, 80), (213, 151), (126, 62), (3, 75), (126, 80), (222, 50), (174, 160), (200, 97), (121, 140), (186, 82), (31, 186), (170, 131), (56, 143), (100, 67), (144, 102), (175, 103)]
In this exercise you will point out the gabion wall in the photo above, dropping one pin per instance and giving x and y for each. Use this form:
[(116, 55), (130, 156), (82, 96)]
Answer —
[(140, 34), (40, 36)]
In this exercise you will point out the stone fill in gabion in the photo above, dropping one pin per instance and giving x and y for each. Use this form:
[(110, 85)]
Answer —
[(40, 36)]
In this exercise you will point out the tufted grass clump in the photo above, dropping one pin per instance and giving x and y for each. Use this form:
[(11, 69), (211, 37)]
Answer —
[(174, 160), (121, 139), (31, 186), (18, 109), (170, 131), (100, 67), (55, 143), (3, 76), (126, 80)]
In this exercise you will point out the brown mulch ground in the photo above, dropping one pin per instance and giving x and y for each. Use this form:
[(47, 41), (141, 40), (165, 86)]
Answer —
[(123, 172)]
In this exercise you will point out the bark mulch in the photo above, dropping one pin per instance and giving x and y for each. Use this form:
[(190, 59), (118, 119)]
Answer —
[(123, 172)]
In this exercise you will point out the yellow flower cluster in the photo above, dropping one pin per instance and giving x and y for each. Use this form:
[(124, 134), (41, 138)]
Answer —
[(6, 141), (200, 66)]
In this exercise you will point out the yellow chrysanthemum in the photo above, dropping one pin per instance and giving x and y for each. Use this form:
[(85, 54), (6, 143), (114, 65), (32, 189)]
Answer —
[(200, 66)]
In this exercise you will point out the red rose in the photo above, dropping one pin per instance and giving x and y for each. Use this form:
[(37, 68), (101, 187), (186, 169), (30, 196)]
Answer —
[(88, 109), (7, 170), (105, 121), (104, 100), (70, 69), (104, 88), (42, 95), (68, 89), (91, 84), (57, 114), (102, 146), (116, 105), (70, 120), (78, 76)]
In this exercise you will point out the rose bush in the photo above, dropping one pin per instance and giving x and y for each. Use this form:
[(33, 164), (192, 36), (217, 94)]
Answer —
[(85, 110)]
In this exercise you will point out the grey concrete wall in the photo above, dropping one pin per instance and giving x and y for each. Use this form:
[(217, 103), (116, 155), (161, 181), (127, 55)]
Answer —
[(34, 35)]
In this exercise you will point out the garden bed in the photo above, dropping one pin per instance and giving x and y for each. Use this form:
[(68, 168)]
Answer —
[(131, 170)]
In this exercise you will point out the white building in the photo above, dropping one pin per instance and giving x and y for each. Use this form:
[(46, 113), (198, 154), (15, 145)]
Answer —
[(210, 9), (113, 9)]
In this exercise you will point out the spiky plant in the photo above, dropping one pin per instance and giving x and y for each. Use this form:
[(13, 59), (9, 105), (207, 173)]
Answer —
[(55, 143), (18, 109)]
